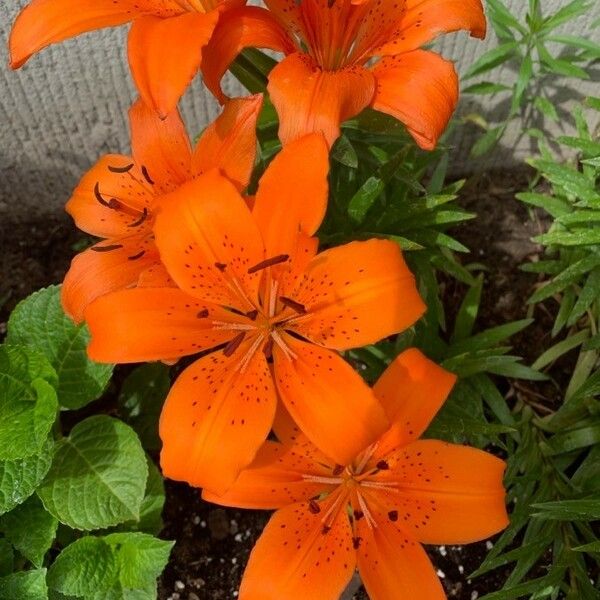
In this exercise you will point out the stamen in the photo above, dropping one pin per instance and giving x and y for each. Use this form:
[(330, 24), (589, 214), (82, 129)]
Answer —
[(320, 479), (338, 470), (146, 175), (248, 357), (233, 326), (329, 516), (279, 341), (379, 485), (273, 298), (268, 348), (234, 344), (366, 457), (252, 315), (120, 169), (136, 256), (366, 512), (99, 196), (269, 262), (106, 248), (299, 308), (140, 220)]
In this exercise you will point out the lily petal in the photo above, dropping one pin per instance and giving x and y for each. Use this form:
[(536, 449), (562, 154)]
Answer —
[(411, 390), (145, 324), (215, 418), (165, 54), (229, 143), (106, 267), (297, 557), (392, 565), (308, 380), (249, 26), (357, 294), (424, 20), (110, 198), (448, 494), (309, 99), (273, 480), (44, 22), (292, 194), (209, 242), (420, 89), (160, 146)]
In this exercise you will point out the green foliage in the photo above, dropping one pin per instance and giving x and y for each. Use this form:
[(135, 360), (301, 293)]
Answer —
[(119, 565), (539, 54), (102, 461), (29, 404), (24, 585), (40, 322)]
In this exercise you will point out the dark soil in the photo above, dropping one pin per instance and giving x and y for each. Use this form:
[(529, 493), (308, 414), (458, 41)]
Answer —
[(212, 543)]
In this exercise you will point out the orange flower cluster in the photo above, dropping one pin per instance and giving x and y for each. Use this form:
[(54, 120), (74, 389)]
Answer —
[(190, 264)]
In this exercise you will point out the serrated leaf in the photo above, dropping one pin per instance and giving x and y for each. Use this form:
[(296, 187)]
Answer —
[(103, 567), (39, 321), (24, 585), (7, 557), (28, 406), (20, 478), (98, 475), (141, 400), (30, 529)]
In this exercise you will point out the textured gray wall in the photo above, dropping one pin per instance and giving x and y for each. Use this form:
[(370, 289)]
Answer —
[(68, 105)]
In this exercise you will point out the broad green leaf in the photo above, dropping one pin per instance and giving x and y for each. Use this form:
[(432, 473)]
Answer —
[(7, 557), (24, 585), (141, 400), (20, 478), (39, 321), (103, 567), (569, 510), (30, 529), (28, 406), (98, 475), (344, 153), (86, 566)]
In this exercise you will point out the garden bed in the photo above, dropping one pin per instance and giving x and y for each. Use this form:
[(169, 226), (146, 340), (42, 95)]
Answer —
[(213, 543)]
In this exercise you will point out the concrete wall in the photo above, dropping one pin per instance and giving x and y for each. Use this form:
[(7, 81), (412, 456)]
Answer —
[(68, 105)]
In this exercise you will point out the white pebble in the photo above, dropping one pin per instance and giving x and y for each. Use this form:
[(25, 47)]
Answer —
[(179, 585), (441, 574), (442, 550)]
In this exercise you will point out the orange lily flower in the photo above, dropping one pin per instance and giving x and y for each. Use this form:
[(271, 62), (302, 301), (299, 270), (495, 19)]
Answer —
[(374, 512), (118, 198), (253, 289), (165, 41), (328, 74)]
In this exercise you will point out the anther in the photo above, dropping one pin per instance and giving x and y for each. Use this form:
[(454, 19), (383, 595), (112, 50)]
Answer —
[(325, 530), (136, 256), (233, 345), (147, 176), (124, 169), (143, 217), (382, 465), (314, 507), (221, 266), (356, 542), (358, 515), (268, 348), (202, 314), (299, 308), (99, 196), (269, 262), (252, 315), (337, 470), (106, 248), (393, 515)]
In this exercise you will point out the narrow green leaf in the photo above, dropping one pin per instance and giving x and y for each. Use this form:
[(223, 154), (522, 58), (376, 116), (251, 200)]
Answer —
[(569, 510), (467, 313), (556, 207), (492, 59), (485, 87), (559, 349)]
